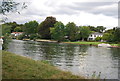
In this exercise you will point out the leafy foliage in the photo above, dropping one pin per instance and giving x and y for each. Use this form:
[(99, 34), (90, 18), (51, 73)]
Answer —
[(84, 32), (6, 29), (18, 29), (98, 38), (6, 41), (117, 34), (10, 6), (100, 29), (71, 31), (31, 27), (58, 32), (44, 27)]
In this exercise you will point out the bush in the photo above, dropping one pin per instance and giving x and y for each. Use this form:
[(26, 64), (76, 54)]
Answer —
[(20, 37), (98, 38), (34, 36), (6, 41), (119, 44)]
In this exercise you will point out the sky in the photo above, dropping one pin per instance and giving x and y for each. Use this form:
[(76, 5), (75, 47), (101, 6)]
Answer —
[(81, 12)]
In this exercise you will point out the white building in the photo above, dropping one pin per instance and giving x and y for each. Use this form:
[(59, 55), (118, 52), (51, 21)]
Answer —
[(16, 33), (94, 35)]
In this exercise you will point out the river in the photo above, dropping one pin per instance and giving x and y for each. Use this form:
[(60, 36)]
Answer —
[(79, 59)]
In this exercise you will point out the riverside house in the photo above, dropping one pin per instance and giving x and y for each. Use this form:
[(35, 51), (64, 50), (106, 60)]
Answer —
[(15, 34), (94, 35)]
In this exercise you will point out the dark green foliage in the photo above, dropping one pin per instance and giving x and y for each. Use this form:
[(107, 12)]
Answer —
[(18, 29), (71, 31), (58, 33), (44, 27), (6, 41), (112, 35), (20, 37), (100, 29), (6, 29), (108, 37), (98, 38), (31, 27), (92, 28), (117, 34), (84, 32), (34, 36), (13, 25)]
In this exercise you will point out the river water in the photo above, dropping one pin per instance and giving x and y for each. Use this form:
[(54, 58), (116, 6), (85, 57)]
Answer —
[(79, 59)]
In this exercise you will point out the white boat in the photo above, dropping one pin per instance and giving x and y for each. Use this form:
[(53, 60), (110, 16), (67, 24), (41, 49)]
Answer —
[(104, 45)]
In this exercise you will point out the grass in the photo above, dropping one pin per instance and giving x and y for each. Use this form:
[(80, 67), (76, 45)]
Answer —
[(87, 43), (18, 67), (91, 43)]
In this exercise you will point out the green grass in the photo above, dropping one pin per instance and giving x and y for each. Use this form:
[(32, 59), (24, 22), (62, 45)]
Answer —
[(91, 43), (87, 43), (18, 67)]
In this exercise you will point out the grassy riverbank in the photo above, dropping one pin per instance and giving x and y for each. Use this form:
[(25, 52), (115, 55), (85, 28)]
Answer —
[(18, 67), (90, 43)]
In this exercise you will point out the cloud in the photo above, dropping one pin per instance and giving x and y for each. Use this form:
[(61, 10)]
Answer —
[(81, 12), (105, 8)]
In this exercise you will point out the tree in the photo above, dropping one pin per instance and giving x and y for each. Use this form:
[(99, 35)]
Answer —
[(44, 27), (6, 29), (98, 38), (13, 25), (109, 37), (84, 32), (58, 32), (92, 28), (117, 34), (10, 6), (31, 27), (18, 29), (100, 29), (71, 31), (5, 7)]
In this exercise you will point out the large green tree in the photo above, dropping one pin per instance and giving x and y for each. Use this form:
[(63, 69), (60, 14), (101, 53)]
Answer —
[(6, 29), (58, 32), (100, 29), (44, 27), (117, 34), (84, 32), (18, 29), (71, 31), (13, 25), (31, 27)]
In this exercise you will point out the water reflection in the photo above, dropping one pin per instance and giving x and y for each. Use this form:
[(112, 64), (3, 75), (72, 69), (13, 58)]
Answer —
[(79, 59)]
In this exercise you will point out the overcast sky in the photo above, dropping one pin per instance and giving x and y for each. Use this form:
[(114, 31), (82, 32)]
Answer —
[(95, 13)]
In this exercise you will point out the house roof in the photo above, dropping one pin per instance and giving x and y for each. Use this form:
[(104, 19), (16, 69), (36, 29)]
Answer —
[(16, 32), (97, 33)]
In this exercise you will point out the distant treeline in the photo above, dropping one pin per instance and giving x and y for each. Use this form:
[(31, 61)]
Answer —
[(50, 28)]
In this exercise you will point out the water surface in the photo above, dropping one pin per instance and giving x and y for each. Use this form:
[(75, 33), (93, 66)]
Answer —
[(78, 59)]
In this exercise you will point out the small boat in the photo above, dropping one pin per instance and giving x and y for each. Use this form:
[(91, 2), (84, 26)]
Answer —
[(104, 45)]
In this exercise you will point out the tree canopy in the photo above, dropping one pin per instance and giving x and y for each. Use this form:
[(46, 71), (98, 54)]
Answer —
[(71, 31), (31, 27), (44, 27), (84, 32), (58, 32)]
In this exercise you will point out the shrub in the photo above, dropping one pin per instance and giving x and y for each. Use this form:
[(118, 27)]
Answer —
[(34, 36), (98, 38), (6, 41), (20, 37)]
